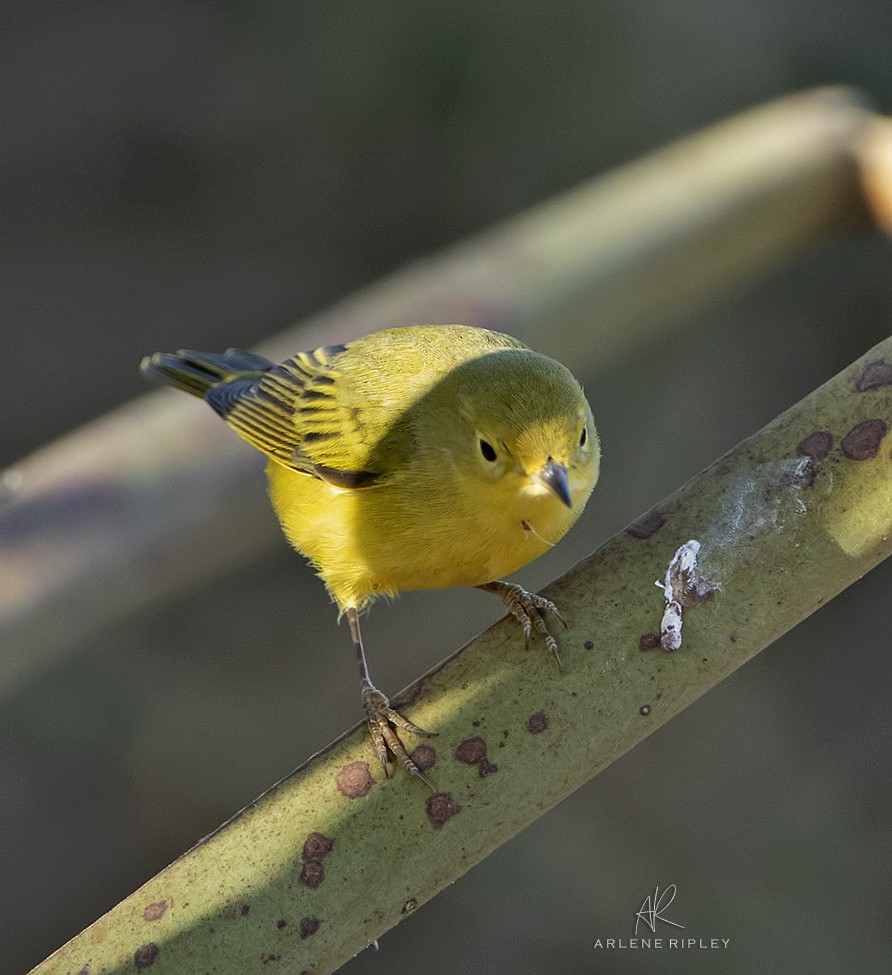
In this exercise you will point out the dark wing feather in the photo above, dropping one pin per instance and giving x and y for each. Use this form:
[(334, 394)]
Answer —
[(198, 372), (293, 413)]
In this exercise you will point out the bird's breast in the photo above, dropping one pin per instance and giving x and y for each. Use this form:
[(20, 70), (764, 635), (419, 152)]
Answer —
[(393, 536)]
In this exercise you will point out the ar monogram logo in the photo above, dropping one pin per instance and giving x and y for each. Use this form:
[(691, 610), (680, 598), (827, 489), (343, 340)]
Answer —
[(652, 909)]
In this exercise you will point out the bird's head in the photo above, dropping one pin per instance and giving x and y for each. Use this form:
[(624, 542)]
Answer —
[(525, 434)]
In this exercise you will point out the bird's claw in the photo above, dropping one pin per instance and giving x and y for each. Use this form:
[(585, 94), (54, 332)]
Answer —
[(530, 609), (380, 716)]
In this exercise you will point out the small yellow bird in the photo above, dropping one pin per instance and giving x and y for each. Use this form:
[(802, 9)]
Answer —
[(413, 458)]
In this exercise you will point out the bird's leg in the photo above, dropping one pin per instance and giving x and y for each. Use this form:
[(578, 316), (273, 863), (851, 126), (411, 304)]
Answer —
[(379, 714), (529, 609)]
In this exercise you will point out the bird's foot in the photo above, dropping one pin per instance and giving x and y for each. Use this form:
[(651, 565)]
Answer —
[(529, 609), (380, 716)]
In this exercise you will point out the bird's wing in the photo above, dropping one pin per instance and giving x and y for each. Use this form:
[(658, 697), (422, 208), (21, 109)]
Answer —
[(299, 413)]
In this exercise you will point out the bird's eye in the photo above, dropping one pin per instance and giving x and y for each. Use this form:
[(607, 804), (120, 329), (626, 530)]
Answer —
[(488, 451), (582, 437)]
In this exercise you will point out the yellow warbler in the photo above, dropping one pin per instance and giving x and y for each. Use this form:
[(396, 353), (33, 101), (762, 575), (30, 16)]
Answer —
[(414, 458)]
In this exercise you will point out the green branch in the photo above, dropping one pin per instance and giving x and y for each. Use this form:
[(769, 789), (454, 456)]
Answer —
[(334, 855)]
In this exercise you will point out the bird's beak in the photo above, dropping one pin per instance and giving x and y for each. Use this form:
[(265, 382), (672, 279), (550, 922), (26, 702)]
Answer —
[(554, 477)]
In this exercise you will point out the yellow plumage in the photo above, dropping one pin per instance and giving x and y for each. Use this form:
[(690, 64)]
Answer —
[(413, 458)]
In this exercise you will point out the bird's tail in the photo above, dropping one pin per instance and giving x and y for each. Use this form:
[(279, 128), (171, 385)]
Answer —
[(198, 372)]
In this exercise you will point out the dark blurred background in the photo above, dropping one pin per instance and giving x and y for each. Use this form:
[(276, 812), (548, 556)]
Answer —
[(204, 175)]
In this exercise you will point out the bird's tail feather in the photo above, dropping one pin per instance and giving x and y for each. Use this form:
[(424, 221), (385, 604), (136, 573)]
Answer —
[(198, 372)]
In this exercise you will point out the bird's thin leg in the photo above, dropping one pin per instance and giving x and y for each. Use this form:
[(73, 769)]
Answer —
[(529, 609), (379, 714), (356, 636)]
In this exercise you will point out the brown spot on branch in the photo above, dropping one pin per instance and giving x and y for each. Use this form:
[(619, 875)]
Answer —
[(354, 780), (425, 757), (312, 874), (441, 807), (647, 524), (863, 441), (154, 911), (875, 375), (317, 845), (816, 445), (472, 751), (537, 723), (145, 955)]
